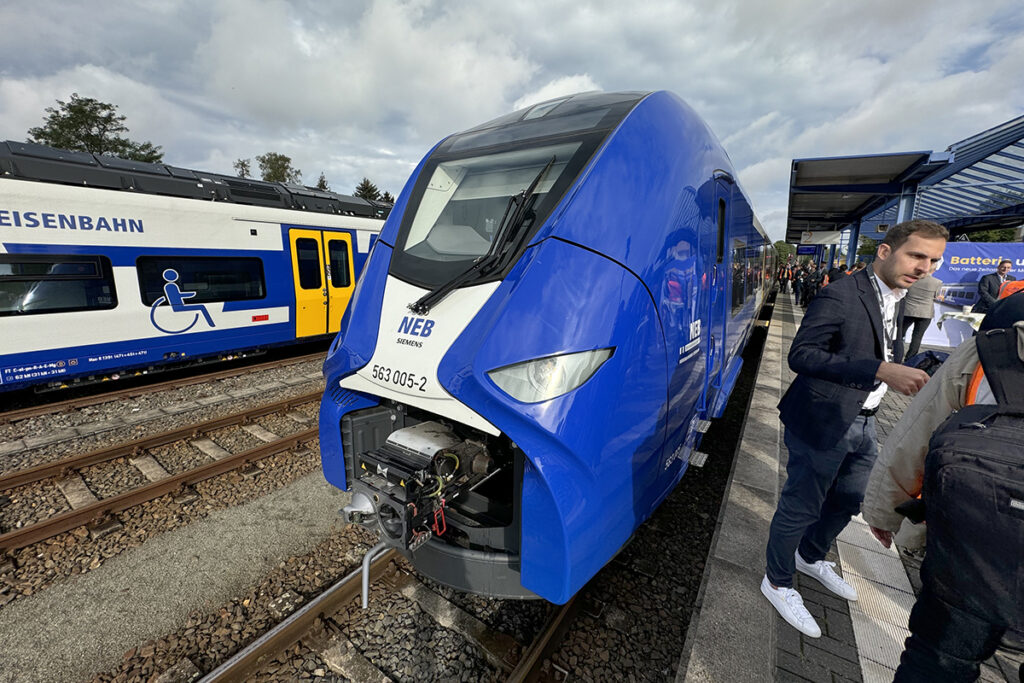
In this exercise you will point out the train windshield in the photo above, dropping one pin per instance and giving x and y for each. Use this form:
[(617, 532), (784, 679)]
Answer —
[(465, 201), (457, 212)]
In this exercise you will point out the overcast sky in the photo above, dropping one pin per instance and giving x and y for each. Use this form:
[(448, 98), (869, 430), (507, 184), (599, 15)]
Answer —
[(358, 88)]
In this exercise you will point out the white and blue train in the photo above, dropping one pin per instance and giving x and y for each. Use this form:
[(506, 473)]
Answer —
[(552, 314), (109, 266)]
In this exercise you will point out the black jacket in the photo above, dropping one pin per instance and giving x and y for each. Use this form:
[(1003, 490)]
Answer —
[(836, 354), (988, 291)]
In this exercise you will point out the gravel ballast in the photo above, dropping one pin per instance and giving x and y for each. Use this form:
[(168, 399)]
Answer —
[(87, 624)]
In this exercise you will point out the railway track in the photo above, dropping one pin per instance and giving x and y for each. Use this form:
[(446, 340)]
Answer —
[(86, 508), (320, 624), (134, 392)]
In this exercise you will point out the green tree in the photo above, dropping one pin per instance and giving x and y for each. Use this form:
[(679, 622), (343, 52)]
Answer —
[(785, 250), (367, 190), (243, 168), (277, 168), (321, 183), (867, 246), (994, 235), (387, 197), (84, 124)]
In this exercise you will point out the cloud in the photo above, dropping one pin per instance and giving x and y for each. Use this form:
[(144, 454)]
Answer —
[(367, 87), (397, 69)]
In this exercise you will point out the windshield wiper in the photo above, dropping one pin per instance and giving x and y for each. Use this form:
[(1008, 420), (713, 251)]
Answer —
[(516, 212)]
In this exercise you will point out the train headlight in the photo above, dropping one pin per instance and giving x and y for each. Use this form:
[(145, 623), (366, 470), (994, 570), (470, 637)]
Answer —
[(545, 378)]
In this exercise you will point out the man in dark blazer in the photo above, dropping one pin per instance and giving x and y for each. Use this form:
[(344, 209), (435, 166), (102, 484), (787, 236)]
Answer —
[(845, 354), (988, 286)]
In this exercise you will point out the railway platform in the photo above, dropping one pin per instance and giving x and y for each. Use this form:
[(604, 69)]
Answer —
[(735, 634)]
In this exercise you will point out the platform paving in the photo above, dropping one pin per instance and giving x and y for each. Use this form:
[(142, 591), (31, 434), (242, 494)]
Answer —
[(735, 634)]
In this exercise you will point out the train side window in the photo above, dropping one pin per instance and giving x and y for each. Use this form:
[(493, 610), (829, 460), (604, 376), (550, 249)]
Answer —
[(337, 252), (740, 276), (209, 278), (38, 283), (721, 229), (307, 253)]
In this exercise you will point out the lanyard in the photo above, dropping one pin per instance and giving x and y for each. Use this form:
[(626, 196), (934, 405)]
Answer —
[(888, 324)]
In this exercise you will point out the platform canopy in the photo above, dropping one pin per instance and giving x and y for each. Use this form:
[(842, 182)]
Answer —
[(975, 184)]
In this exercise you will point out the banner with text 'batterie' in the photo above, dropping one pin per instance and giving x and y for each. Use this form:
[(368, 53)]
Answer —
[(968, 261), (963, 265)]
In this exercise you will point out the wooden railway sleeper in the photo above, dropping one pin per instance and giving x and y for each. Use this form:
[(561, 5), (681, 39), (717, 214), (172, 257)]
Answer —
[(104, 524), (75, 518), (184, 495), (39, 472)]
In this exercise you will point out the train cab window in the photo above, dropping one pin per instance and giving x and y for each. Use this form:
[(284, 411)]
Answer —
[(337, 253), (307, 251), (31, 283), (208, 278), (463, 207), (466, 199)]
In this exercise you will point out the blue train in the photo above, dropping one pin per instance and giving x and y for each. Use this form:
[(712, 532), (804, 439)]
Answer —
[(111, 267), (958, 294), (552, 314)]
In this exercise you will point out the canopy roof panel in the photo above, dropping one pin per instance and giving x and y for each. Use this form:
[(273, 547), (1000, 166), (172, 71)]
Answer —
[(832, 192), (975, 184)]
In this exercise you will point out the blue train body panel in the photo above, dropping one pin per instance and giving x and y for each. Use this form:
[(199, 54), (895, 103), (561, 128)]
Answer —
[(556, 304), (594, 455)]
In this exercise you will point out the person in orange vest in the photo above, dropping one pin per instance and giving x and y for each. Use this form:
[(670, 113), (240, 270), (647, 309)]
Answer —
[(947, 642)]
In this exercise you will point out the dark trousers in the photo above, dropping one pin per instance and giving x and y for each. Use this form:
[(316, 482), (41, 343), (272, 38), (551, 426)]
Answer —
[(824, 489), (920, 325), (945, 643)]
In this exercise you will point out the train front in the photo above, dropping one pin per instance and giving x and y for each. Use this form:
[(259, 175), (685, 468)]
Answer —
[(477, 401)]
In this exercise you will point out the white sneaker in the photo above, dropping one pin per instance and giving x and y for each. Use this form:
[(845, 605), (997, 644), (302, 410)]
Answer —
[(827, 577), (790, 605)]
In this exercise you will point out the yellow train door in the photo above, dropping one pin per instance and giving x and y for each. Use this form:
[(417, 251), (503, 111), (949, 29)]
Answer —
[(310, 282), (340, 276), (324, 279)]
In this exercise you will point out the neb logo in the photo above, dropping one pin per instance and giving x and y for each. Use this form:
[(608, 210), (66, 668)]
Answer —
[(421, 327)]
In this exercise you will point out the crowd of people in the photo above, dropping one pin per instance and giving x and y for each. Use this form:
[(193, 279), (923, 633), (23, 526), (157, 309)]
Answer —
[(806, 279), (955, 460)]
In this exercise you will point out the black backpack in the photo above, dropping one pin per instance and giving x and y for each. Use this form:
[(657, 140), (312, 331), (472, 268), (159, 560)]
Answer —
[(974, 494)]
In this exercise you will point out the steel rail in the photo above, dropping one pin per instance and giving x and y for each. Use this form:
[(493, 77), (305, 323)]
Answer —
[(131, 392), (291, 630), (67, 521), (557, 624), (39, 472)]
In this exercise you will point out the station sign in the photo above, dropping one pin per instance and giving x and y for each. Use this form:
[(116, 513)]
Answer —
[(821, 237)]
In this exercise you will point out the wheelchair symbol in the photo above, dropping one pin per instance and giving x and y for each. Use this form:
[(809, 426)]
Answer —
[(176, 298)]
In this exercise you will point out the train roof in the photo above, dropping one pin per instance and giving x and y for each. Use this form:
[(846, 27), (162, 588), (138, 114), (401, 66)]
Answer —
[(32, 161), (581, 113)]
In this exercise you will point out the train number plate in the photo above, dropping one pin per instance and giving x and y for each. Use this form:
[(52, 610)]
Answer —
[(382, 374)]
